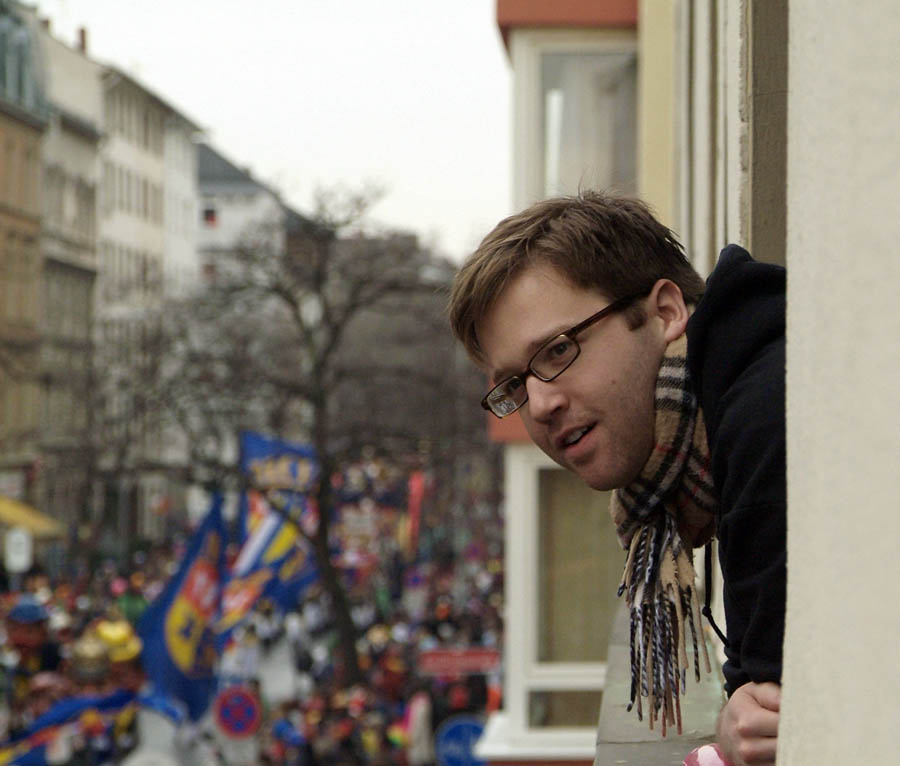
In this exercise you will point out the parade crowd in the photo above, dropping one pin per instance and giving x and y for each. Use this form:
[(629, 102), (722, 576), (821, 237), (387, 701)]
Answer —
[(65, 639)]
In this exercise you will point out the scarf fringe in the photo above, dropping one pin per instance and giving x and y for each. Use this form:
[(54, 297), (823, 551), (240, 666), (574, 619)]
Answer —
[(659, 585)]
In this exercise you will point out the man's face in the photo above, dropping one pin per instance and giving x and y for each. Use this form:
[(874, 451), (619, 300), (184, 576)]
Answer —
[(597, 418)]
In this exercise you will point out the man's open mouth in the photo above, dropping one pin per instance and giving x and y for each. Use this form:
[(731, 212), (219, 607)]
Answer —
[(575, 436)]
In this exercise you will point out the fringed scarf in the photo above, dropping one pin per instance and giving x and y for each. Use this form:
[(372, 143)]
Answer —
[(672, 502)]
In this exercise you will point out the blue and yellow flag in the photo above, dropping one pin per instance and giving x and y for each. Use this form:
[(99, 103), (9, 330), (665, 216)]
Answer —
[(287, 472), (180, 652), (275, 561)]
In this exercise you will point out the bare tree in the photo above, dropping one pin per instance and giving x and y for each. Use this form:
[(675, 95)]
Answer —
[(122, 390), (332, 333)]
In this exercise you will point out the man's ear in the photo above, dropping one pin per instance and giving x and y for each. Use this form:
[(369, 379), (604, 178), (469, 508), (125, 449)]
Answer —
[(666, 302)]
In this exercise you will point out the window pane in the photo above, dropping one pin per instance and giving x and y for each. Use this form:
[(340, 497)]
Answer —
[(579, 568), (548, 709), (590, 121)]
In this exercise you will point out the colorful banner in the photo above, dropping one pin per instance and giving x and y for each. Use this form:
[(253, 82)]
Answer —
[(180, 652), (286, 471), (275, 561)]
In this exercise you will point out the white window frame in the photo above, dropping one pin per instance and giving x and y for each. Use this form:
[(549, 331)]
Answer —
[(508, 734), (526, 48)]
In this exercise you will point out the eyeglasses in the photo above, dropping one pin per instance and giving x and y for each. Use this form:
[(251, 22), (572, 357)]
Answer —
[(549, 362)]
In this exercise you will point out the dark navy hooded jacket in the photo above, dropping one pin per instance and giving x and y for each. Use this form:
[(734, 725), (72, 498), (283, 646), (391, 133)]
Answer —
[(736, 359)]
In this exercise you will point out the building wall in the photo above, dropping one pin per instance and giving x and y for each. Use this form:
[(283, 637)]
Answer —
[(147, 253), (181, 275), (73, 79), (840, 680), (132, 233), (790, 149), (20, 295), (67, 282), (658, 71), (129, 293), (70, 167), (767, 33), (120, 209), (22, 122), (242, 214), (181, 265)]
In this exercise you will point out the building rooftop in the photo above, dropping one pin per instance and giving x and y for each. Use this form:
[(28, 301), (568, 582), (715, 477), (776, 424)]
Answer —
[(213, 170), (114, 74)]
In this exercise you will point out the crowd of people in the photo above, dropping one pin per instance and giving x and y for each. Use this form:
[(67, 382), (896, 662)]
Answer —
[(75, 639), (62, 640), (448, 599)]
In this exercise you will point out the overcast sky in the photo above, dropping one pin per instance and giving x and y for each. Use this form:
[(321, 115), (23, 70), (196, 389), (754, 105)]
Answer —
[(409, 94)]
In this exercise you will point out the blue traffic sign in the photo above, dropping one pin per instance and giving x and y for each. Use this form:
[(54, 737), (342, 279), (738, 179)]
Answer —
[(454, 741)]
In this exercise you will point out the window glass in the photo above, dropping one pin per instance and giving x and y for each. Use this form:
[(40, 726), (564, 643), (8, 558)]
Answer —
[(547, 709), (579, 569), (589, 121)]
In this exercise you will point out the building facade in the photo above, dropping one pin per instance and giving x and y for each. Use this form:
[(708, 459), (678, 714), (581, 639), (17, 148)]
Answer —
[(772, 125), (681, 103), (23, 121), (782, 120), (236, 209), (70, 168), (181, 259), (147, 253)]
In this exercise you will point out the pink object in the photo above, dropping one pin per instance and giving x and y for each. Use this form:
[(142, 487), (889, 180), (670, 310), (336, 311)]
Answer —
[(708, 755)]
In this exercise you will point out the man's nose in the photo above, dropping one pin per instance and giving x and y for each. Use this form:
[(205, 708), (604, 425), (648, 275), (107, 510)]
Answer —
[(544, 398)]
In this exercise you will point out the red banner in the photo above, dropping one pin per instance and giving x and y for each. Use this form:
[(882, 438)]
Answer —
[(451, 662)]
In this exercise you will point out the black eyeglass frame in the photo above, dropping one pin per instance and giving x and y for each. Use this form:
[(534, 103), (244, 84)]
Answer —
[(570, 334)]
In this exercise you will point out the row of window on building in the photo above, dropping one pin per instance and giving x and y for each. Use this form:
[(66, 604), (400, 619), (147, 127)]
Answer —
[(17, 407), (129, 192), (17, 77), (135, 118), (181, 151), (64, 415), (127, 273), (69, 202), (18, 171), (181, 212), (19, 272), (69, 296)]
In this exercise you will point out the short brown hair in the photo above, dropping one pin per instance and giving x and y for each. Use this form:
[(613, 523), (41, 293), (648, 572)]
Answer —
[(598, 241)]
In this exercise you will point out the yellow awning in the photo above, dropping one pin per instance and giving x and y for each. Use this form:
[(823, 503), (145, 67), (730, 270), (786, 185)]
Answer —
[(16, 514)]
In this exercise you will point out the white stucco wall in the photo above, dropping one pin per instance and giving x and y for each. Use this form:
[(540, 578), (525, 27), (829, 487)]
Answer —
[(658, 64), (75, 157), (842, 678), (181, 261), (72, 79), (73, 85), (242, 215)]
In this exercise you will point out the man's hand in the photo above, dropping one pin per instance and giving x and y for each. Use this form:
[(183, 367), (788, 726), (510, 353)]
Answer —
[(747, 729)]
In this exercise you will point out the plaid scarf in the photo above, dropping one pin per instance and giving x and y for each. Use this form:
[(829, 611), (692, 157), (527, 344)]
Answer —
[(671, 502)]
